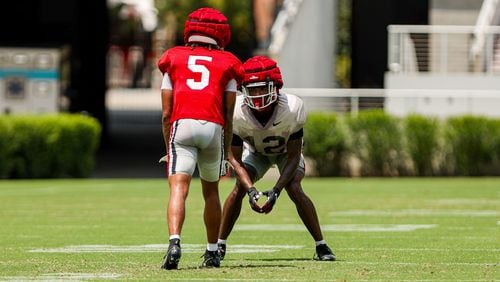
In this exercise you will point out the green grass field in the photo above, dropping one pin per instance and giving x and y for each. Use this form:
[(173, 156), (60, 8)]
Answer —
[(429, 229)]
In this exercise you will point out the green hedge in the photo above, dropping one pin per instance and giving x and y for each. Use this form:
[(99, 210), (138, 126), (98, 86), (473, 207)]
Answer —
[(326, 144), (47, 146), (374, 143), (6, 146), (377, 142), (422, 143), (474, 145)]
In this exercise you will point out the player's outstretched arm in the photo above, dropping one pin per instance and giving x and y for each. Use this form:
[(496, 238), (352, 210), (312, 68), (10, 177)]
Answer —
[(235, 159), (242, 177), (229, 101), (294, 148)]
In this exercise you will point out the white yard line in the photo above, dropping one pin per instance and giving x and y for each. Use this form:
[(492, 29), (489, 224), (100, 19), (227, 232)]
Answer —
[(420, 263), (63, 277), (154, 248), (419, 212), (419, 250), (196, 248), (91, 276), (466, 201), (337, 227)]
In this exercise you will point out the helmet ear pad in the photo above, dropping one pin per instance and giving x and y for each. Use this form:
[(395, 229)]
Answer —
[(208, 22), (262, 69)]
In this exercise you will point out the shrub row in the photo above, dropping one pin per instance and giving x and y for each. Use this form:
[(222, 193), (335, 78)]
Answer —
[(374, 143), (46, 146)]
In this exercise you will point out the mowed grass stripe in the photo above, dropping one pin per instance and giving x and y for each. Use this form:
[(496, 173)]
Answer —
[(462, 245)]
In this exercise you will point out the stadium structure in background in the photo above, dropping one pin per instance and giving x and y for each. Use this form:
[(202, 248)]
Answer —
[(29, 80), (75, 30), (105, 46)]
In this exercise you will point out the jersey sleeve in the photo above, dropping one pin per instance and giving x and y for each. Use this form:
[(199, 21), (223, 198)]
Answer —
[(164, 63), (232, 85), (238, 72), (300, 115), (166, 83), (237, 116)]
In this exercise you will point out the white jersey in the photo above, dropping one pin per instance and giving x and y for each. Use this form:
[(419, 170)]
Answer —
[(270, 139)]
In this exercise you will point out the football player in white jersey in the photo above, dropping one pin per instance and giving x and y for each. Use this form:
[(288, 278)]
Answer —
[(267, 131)]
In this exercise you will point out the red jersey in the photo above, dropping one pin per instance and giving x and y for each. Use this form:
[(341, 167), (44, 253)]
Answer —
[(199, 77)]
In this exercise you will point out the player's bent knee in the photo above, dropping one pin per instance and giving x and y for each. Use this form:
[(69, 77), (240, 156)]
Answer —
[(295, 192)]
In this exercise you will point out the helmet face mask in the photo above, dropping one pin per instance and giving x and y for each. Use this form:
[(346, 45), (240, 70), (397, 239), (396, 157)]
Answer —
[(259, 95), (261, 83)]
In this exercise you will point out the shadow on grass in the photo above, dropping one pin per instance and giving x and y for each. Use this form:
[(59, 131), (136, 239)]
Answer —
[(241, 265), (253, 263), (281, 259), (258, 266)]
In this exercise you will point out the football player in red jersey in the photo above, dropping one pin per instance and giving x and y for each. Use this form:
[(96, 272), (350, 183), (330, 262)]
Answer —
[(268, 130), (198, 94)]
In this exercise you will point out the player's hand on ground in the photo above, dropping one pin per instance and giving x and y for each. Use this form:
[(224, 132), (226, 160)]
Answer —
[(253, 197), (272, 196)]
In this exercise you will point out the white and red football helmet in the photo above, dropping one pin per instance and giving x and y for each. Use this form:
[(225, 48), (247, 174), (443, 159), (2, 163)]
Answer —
[(208, 22), (261, 71)]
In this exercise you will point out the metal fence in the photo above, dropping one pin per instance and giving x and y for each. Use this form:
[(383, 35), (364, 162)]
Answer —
[(131, 109), (440, 103), (444, 49)]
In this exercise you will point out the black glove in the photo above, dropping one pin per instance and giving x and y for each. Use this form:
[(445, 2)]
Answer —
[(253, 197), (272, 196)]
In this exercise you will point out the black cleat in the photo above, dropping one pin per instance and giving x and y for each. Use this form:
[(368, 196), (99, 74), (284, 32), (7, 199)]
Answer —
[(173, 255), (222, 250), (211, 259), (324, 253)]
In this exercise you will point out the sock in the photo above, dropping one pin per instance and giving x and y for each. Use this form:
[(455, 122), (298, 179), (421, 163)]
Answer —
[(212, 247), (220, 241), (320, 242), (175, 236)]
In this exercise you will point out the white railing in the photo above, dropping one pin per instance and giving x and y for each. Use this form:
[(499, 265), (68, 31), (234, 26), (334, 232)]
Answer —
[(144, 106), (440, 103), (443, 49)]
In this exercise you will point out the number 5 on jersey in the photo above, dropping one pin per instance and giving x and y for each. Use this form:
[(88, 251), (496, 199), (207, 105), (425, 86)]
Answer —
[(198, 68)]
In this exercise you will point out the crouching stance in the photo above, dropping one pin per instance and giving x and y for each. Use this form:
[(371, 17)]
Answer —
[(267, 131)]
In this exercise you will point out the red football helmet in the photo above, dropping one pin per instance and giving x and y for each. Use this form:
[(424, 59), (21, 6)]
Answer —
[(261, 71), (208, 22)]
